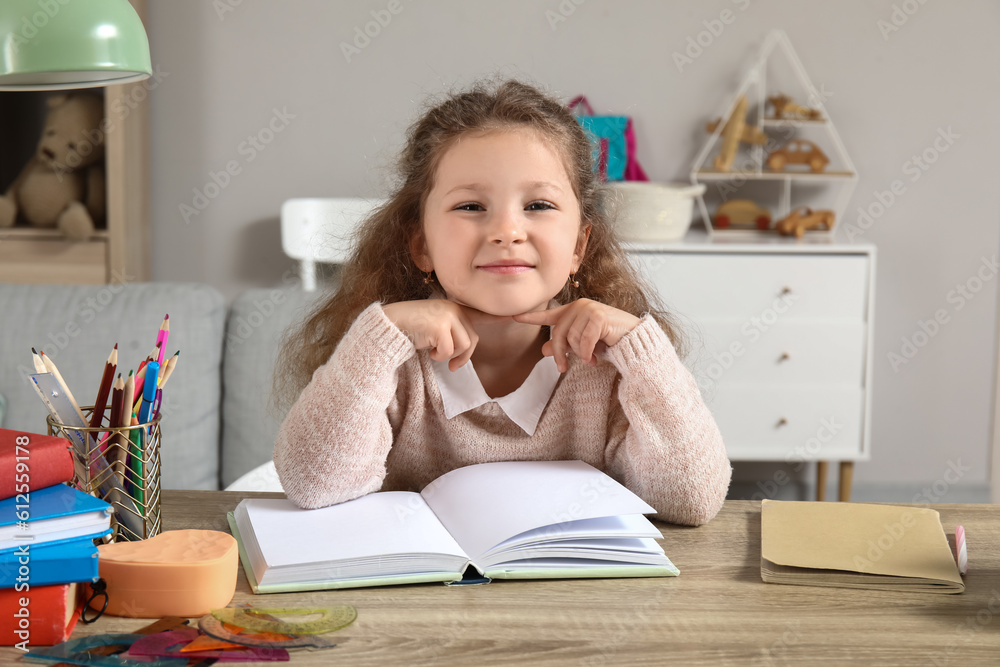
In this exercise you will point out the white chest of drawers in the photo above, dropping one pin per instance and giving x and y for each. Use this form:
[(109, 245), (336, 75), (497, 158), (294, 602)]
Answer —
[(779, 338)]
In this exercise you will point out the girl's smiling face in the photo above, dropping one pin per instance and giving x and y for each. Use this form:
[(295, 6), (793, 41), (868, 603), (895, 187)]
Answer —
[(501, 228)]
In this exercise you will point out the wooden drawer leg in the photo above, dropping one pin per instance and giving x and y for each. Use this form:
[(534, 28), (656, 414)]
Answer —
[(821, 480), (846, 477)]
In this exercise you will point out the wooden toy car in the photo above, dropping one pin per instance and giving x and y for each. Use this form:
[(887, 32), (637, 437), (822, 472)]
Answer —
[(785, 107), (803, 219), (741, 212), (798, 151)]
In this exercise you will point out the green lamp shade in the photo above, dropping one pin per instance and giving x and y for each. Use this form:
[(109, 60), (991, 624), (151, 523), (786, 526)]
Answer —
[(60, 44)]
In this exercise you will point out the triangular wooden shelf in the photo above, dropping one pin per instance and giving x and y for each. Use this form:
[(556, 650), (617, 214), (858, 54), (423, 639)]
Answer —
[(827, 189)]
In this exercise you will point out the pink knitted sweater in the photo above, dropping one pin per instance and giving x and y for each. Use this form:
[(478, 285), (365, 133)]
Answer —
[(372, 419)]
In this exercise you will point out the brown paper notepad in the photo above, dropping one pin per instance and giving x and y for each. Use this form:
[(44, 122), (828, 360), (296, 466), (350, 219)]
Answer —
[(856, 545)]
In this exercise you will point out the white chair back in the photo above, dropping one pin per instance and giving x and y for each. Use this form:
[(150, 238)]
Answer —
[(319, 230)]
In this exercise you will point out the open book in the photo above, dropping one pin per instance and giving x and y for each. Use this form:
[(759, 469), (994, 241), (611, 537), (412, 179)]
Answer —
[(507, 520), (856, 545)]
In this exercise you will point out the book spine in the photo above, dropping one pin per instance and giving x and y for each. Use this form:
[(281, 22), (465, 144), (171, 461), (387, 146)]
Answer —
[(39, 616), (46, 570), (33, 461)]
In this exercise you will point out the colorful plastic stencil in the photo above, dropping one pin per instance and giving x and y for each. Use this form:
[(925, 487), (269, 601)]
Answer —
[(206, 643), (256, 618), (75, 652), (170, 644), (210, 625)]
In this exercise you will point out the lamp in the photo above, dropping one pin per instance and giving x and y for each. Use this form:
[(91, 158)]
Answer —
[(62, 44)]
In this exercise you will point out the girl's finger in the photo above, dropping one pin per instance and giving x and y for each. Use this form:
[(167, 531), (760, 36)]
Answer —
[(589, 338), (560, 346), (443, 339), (575, 334), (465, 338)]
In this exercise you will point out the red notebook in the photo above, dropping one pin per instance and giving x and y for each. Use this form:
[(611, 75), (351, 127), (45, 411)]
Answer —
[(45, 459), (48, 618)]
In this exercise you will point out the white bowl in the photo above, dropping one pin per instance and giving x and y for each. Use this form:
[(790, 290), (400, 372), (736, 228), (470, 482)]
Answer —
[(654, 211)]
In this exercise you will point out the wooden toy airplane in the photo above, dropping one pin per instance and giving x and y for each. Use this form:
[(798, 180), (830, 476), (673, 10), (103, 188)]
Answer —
[(735, 131)]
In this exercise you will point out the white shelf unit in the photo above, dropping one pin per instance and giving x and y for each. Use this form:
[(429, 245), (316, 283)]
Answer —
[(781, 333)]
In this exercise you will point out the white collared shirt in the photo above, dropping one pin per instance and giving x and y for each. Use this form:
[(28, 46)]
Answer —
[(462, 391)]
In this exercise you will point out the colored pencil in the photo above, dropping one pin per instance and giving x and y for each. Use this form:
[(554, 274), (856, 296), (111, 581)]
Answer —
[(126, 420), (102, 393), (117, 407), (134, 478), (161, 338), (169, 369), (145, 416), (156, 403), (140, 376)]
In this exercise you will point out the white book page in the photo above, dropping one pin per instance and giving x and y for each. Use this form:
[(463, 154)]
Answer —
[(622, 526), (378, 524), (483, 505)]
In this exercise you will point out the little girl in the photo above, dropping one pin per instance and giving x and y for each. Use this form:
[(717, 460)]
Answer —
[(488, 314)]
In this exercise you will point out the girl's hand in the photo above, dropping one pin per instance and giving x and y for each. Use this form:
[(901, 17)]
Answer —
[(584, 326), (447, 328)]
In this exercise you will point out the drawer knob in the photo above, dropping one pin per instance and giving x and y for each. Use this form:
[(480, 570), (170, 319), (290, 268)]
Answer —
[(781, 422), (784, 357), (785, 291)]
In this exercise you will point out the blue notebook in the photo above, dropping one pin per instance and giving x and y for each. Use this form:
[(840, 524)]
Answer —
[(49, 563), (54, 513)]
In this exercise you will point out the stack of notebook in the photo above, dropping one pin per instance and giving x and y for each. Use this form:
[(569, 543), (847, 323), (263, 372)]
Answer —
[(47, 533), (856, 545)]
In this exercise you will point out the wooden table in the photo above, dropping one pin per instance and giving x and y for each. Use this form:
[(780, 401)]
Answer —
[(718, 612)]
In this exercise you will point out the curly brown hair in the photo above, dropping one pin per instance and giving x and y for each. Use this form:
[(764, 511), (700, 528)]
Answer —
[(380, 267)]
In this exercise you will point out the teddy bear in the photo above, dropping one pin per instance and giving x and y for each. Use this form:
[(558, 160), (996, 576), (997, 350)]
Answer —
[(62, 186)]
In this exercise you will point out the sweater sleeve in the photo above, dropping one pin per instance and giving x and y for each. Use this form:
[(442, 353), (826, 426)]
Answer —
[(334, 442), (663, 442)]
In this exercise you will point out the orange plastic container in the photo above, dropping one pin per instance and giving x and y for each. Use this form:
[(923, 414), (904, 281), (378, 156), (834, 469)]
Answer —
[(176, 573)]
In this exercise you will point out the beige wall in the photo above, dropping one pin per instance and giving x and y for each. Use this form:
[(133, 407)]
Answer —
[(225, 73)]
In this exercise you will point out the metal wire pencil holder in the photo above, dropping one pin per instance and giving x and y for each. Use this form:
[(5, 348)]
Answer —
[(121, 466)]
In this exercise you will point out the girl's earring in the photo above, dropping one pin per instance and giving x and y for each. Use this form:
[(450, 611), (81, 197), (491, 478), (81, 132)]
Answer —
[(429, 278), (573, 281)]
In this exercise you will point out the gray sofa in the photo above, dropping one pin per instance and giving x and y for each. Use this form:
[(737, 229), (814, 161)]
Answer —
[(217, 424)]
